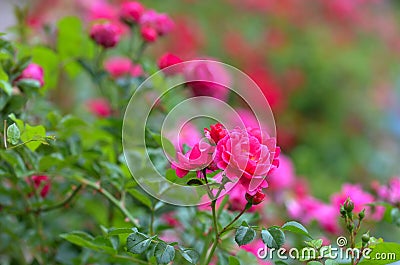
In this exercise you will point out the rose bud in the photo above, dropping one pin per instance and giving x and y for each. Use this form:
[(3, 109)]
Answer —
[(149, 34), (216, 132), (99, 107), (131, 12), (105, 34), (349, 205), (40, 183), (169, 59), (256, 198), (33, 71)]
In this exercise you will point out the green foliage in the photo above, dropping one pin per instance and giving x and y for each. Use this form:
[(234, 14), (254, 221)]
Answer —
[(244, 234), (273, 237)]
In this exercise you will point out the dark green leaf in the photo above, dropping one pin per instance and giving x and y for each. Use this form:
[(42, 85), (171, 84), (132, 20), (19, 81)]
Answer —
[(273, 237), (295, 227), (137, 242), (144, 199), (244, 235), (190, 255), (164, 253)]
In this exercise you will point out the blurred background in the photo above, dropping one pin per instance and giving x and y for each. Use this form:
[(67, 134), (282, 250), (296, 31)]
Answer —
[(328, 68)]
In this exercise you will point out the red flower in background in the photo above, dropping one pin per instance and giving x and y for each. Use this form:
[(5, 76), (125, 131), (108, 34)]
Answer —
[(167, 60), (121, 66), (99, 107), (41, 183)]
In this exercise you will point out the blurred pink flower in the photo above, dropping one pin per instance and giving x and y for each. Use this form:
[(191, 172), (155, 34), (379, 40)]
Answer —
[(99, 107), (131, 12), (33, 71), (282, 177), (121, 66), (253, 248), (105, 34), (160, 22), (360, 198), (207, 78), (390, 192), (169, 59), (148, 34)]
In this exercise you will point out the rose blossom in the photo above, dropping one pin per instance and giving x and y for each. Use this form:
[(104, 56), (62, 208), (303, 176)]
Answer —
[(33, 71), (207, 78), (105, 34), (169, 59), (99, 107), (160, 22), (246, 155), (216, 132), (148, 34), (282, 177), (41, 183), (120, 66), (131, 12), (196, 159)]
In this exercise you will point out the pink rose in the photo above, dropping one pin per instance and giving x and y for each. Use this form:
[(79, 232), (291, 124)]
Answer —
[(360, 199), (161, 23), (105, 34), (390, 192), (148, 34), (131, 12), (199, 157), (33, 71), (207, 79), (169, 59), (244, 155), (282, 177), (121, 66), (216, 132), (99, 107), (41, 183)]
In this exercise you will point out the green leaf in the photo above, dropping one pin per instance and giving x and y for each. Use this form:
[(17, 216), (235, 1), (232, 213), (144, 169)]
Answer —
[(244, 235), (273, 237), (13, 134), (34, 135), (316, 243), (137, 242), (119, 231), (385, 248), (27, 84), (164, 253), (314, 263), (85, 240), (233, 261), (295, 227), (142, 198), (3, 75), (190, 255), (48, 60), (166, 145), (6, 87)]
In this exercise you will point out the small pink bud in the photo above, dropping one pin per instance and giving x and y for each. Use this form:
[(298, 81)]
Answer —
[(149, 34), (41, 183), (257, 198)]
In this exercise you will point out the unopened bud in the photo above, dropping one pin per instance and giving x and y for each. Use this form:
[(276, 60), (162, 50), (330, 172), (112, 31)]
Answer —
[(361, 215), (349, 205)]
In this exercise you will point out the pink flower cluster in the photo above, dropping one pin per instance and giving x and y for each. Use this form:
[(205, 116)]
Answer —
[(243, 155), (107, 31), (391, 192)]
